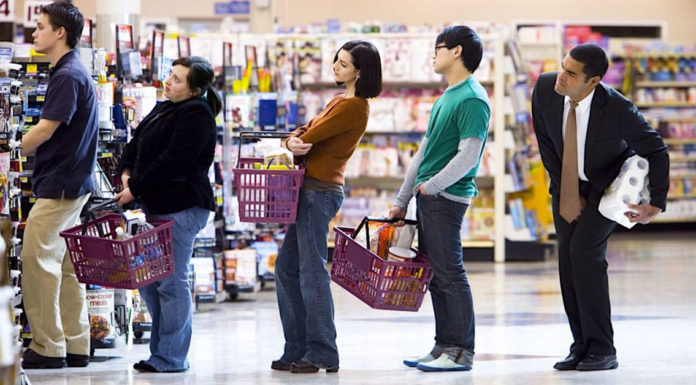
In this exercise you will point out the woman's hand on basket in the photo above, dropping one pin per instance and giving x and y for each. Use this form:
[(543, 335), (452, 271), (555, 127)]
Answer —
[(124, 197), (397, 212), (297, 146)]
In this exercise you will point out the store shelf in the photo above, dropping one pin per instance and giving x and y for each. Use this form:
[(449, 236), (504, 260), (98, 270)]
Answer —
[(666, 105), (678, 119), (429, 85), (673, 220), (682, 158), (545, 44), (394, 132), (683, 196), (478, 244), (376, 181), (674, 141), (680, 175), (672, 84)]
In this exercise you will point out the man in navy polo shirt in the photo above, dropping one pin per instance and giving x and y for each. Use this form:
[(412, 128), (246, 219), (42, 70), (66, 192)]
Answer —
[(64, 143)]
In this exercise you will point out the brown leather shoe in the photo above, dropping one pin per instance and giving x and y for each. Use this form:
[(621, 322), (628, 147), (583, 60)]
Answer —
[(306, 367)]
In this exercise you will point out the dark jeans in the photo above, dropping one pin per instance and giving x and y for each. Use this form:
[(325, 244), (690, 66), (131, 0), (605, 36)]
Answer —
[(439, 237), (302, 282), (582, 267)]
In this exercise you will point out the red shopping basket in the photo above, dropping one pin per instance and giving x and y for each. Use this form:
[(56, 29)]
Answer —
[(100, 258), (388, 285), (266, 196)]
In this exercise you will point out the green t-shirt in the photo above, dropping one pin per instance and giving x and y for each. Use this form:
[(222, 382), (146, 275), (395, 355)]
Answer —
[(463, 111)]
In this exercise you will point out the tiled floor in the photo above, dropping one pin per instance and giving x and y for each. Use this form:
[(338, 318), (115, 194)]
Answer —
[(521, 331)]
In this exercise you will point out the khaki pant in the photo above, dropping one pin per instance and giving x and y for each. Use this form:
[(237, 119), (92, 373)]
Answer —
[(54, 301)]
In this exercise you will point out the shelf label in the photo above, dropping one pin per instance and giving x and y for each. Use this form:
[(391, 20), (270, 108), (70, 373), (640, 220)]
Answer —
[(233, 8), (32, 69), (32, 11), (7, 11)]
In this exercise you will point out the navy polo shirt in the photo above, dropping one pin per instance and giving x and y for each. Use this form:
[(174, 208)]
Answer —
[(64, 164)]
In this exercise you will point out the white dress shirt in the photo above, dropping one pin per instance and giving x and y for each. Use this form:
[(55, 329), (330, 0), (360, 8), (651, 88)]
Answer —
[(582, 117)]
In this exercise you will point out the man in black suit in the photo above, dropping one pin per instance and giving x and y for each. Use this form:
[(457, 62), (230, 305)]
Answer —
[(604, 129)]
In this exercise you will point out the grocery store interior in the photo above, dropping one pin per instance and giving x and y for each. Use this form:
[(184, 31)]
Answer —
[(273, 63)]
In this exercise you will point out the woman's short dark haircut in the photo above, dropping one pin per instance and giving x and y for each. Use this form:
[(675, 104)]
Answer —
[(201, 78), (472, 49), (593, 57), (63, 14), (365, 59)]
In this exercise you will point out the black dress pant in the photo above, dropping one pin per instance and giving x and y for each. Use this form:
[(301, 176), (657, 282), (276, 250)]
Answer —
[(582, 265)]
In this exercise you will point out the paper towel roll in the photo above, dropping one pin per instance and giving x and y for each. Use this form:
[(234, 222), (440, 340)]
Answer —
[(630, 186)]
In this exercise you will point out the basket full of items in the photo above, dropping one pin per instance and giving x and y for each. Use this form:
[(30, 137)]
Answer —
[(268, 188), (121, 250), (379, 266)]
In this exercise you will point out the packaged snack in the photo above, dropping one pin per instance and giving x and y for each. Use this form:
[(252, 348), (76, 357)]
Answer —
[(277, 157)]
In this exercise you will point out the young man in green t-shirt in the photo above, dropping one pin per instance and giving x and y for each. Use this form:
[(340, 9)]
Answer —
[(441, 176)]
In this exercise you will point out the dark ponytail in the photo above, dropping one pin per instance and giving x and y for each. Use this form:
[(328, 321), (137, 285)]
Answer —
[(201, 77), (214, 100)]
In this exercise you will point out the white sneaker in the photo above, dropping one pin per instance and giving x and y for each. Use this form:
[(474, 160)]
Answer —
[(442, 364), (414, 363)]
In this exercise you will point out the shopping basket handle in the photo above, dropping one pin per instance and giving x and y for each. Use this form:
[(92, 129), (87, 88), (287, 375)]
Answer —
[(90, 216), (103, 204), (258, 135), (383, 220)]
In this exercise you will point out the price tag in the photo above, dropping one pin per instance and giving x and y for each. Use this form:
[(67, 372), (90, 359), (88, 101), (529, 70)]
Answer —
[(32, 69), (32, 11), (7, 10)]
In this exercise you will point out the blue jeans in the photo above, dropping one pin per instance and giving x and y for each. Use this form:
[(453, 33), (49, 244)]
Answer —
[(169, 300), (439, 237), (302, 282)]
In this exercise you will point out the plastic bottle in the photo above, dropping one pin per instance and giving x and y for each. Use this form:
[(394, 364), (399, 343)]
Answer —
[(121, 234)]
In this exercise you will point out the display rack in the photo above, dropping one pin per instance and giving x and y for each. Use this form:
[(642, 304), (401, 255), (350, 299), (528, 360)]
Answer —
[(658, 78), (664, 89), (388, 136)]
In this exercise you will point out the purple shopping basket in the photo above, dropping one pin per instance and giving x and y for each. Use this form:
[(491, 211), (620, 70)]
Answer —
[(267, 196), (100, 258), (381, 284)]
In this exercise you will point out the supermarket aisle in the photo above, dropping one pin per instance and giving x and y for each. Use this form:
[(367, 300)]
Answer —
[(521, 331)]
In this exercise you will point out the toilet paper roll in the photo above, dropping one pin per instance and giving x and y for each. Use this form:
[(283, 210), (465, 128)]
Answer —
[(630, 186)]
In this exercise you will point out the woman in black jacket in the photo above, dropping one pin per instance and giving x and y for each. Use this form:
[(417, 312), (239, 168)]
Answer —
[(165, 166)]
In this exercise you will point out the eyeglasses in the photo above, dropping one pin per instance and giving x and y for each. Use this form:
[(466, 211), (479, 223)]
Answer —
[(437, 47)]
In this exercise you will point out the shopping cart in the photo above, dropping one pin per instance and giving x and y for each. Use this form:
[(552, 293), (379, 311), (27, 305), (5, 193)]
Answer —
[(266, 196), (100, 258), (381, 284)]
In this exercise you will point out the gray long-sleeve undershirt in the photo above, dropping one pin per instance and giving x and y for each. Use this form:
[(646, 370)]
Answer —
[(466, 159)]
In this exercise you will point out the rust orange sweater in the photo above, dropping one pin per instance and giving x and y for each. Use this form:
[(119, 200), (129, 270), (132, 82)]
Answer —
[(335, 134)]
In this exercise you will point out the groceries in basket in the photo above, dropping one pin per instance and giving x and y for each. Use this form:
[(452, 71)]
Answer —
[(375, 263), (278, 159), (389, 242), (121, 250)]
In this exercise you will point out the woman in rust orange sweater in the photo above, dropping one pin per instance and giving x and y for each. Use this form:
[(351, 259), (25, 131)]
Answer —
[(327, 141)]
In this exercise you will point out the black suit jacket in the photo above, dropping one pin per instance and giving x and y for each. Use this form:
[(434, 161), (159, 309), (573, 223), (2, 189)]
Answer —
[(170, 155), (615, 131)]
